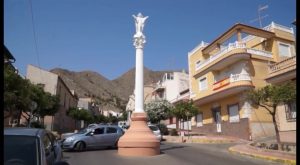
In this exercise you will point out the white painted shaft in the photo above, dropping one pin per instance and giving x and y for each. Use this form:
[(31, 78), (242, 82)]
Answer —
[(139, 81)]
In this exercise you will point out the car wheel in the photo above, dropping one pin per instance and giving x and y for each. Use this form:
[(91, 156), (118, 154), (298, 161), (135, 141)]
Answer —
[(116, 144), (79, 146)]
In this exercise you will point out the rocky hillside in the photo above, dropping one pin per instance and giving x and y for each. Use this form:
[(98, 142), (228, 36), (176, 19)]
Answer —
[(114, 93)]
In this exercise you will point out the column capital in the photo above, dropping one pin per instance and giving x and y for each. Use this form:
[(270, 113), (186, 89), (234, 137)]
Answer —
[(139, 41)]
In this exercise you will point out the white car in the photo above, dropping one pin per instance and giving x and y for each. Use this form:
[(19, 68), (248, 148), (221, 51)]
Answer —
[(155, 131)]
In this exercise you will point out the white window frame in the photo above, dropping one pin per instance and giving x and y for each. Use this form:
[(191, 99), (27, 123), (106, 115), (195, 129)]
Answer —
[(291, 111), (200, 87), (289, 49), (230, 117)]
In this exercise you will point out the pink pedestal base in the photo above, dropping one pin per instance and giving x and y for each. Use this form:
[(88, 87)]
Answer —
[(138, 140)]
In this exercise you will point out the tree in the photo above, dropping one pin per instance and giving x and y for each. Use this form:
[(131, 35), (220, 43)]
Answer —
[(16, 94), (100, 119), (19, 95), (80, 114), (184, 110), (269, 97), (124, 116), (158, 110)]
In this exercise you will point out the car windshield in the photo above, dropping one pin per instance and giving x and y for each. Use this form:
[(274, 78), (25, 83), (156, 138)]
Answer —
[(20, 149), (83, 131), (153, 128)]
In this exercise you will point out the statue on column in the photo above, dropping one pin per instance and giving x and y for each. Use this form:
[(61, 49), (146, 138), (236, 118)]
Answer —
[(139, 24), (139, 38)]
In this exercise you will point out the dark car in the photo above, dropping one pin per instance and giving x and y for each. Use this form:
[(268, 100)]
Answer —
[(93, 137), (31, 146)]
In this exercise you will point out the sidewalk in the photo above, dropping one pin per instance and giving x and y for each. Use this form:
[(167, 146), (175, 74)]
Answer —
[(203, 139), (272, 155), (243, 148)]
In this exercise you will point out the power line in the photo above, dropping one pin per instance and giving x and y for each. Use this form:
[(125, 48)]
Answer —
[(34, 38)]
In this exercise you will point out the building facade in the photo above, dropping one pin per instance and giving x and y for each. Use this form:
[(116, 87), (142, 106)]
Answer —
[(279, 73), (171, 88), (148, 93), (223, 71), (53, 84)]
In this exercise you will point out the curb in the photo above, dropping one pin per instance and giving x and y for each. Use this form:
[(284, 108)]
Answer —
[(270, 158), (210, 141)]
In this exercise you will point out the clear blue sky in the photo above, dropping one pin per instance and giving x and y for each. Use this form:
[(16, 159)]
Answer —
[(97, 35)]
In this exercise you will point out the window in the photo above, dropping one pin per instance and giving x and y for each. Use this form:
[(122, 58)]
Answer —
[(290, 110), (203, 84), (284, 50), (98, 131), (111, 130), (199, 120), (233, 111), (23, 148), (198, 63), (47, 144), (169, 76)]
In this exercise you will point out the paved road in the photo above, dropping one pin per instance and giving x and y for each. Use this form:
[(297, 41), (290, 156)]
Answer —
[(172, 154)]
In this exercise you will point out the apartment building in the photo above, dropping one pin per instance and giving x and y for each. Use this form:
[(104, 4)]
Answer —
[(53, 84), (279, 73), (222, 71), (148, 90), (172, 88), (89, 104)]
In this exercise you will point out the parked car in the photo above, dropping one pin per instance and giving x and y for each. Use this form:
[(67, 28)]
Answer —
[(31, 146), (153, 128), (93, 137), (155, 131)]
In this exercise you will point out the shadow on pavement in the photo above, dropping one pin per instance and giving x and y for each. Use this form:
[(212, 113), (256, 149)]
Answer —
[(91, 149), (172, 148)]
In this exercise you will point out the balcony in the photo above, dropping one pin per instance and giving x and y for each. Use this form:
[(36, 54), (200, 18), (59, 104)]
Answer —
[(273, 26), (282, 71), (234, 84), (231, 54)]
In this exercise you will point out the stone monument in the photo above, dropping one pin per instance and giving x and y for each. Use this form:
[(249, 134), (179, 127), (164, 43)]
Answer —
[(139, 140)]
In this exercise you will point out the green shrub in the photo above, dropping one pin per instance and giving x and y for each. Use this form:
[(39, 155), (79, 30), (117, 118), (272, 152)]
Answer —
[(163, 129), (173, 132)]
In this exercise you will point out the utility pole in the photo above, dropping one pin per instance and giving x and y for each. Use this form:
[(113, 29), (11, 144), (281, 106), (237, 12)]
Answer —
[(260, 8)]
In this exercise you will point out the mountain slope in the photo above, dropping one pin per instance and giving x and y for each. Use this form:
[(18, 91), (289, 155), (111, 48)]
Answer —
[(115, 93)]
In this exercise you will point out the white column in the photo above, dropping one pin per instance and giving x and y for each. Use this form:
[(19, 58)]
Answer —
[(139, 81), (139, 40)]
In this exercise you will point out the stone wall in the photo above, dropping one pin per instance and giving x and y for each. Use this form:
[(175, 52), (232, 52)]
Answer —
[(262, 129), (239, 130)]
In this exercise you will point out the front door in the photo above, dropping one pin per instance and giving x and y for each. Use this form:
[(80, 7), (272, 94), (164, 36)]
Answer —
[(217, 117)]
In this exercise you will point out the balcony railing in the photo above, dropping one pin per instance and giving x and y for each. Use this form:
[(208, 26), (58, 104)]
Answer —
[(233, 78), (279, 27), (228, 48), (232, 46), (240, 77), (282, 64), (259, 52)]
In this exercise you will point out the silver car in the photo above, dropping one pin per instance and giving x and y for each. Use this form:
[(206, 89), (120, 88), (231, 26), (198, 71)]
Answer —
[(93, 137), (31, 146), (155, 131)]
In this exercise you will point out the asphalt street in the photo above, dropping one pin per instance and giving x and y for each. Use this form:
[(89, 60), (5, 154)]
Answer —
[(171, 154)]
